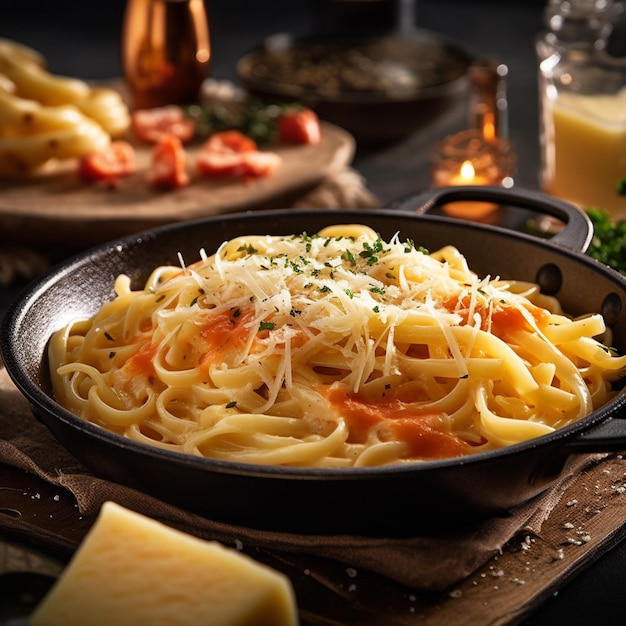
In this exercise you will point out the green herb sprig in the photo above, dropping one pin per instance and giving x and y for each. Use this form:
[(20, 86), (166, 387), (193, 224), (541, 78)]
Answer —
[(253, 117), (608, 244)]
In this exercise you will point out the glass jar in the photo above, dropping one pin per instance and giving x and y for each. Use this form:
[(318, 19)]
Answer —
[(165, 51), (582, 91)]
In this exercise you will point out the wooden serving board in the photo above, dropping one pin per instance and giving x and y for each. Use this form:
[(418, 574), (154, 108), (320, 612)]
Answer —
[(55, 206)]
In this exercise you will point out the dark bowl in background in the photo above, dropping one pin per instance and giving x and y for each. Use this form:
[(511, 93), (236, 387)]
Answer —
[(378, 88)]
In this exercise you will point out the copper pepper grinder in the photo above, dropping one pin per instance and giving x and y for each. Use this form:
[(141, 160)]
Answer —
[(165, 51)]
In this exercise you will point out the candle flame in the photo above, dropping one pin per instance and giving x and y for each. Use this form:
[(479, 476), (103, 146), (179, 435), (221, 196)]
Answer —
[(467, 171)]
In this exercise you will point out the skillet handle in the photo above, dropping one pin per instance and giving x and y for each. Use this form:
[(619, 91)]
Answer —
[(576, 233), (608, 436)]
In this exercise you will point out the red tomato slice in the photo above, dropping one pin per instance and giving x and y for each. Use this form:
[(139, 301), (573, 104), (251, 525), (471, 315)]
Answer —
[(230, 141), (259, 163), (231, 153), (150, 124), (110, 163), (299, 126), (169, 163)]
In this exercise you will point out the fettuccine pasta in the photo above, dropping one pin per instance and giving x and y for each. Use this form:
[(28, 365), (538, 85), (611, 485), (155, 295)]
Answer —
[(338, 349)]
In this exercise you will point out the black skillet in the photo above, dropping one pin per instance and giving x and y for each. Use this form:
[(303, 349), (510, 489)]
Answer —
[(392, 500)]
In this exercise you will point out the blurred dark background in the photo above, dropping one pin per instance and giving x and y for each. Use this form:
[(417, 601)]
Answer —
[(83, 38)]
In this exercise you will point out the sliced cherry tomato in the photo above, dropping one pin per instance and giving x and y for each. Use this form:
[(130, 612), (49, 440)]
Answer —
[(150, 124), (230, 141), (109, 164), (299, 126), (231, 153), (169, 163)]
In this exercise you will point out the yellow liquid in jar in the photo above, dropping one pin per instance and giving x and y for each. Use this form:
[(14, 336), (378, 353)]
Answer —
[(589, 151)]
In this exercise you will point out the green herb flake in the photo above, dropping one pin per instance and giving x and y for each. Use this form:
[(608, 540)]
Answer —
[(348, 256), (248, 249)]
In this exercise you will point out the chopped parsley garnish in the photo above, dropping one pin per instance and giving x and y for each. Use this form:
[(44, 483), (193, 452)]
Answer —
[(248, 249), (347, 255), (267, 326)]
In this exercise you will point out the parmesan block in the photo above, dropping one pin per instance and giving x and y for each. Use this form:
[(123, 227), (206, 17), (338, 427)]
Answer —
[(133, 570)]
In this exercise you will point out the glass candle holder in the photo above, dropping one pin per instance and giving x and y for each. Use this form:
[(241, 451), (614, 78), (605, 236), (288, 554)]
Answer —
[(467, 158)]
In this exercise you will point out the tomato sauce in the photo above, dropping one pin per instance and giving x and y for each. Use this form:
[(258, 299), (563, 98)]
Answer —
[(141, 363), (499, 320), (512, 319), (423, 432), (224, 333)]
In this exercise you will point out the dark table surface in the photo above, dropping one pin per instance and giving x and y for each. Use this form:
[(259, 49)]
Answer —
[(82, 39)]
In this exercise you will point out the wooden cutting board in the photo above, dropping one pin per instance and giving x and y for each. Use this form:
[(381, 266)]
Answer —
[(55, 206)]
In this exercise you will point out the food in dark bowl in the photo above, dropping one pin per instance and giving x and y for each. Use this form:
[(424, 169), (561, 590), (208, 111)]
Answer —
[(359, 82), (398, 498)]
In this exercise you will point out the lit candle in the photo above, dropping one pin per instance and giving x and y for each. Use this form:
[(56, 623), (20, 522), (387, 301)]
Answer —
[(468, 159), (467, 176)]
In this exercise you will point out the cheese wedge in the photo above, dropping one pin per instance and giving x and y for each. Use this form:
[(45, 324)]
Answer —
[(133, 570)]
